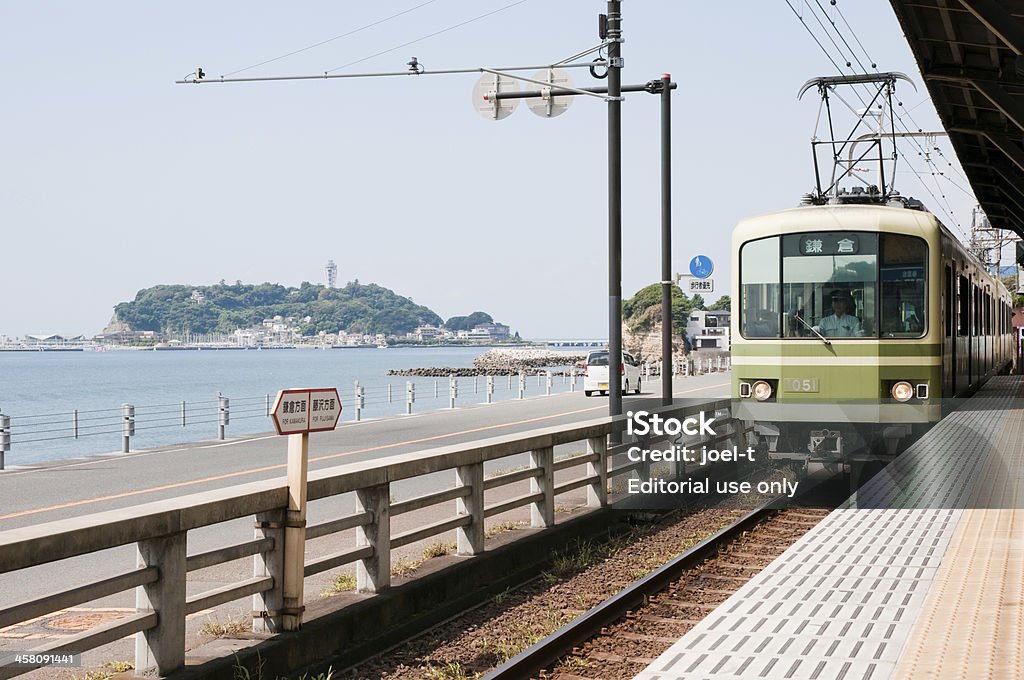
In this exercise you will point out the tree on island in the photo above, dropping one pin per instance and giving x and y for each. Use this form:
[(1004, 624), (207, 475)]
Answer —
[(467, 323)]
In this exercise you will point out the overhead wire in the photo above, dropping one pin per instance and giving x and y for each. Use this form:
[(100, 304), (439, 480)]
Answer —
[(429, 35), (897, 117), (329, 40)]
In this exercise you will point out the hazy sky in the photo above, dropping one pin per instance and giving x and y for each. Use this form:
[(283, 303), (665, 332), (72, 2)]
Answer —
[(113, 178)]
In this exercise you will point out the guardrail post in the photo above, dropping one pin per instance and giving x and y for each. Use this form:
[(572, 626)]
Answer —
[(490, 389), (360, 401), (183, 413), (74, 422), (470, 539), (268, 604), (390, 398), (410, 395), (127, 427), (435, 389), (162, 646), (547, 384), (224, 415), (597, 493), (572, 379), (5, 437), (294, 551), (522, 384), (453, 390), (373, 573), (542, 512)]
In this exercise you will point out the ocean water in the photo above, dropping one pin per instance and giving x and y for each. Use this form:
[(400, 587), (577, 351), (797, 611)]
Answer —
[(41, 391)]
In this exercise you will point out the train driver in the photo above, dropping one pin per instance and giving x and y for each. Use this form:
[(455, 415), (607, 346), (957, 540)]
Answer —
[(840, 323)]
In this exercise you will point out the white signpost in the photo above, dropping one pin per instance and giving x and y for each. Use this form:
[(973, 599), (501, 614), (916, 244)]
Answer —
[(296, 413), (306, 410)]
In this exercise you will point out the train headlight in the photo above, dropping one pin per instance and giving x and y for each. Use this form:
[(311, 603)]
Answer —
[(744, 390), (902, 391), (761, 390)]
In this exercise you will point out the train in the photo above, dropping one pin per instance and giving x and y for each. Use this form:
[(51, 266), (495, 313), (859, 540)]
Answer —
[(855, 320)]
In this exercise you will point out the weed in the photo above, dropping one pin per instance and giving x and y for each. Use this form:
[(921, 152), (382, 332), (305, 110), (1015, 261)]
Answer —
[(226, 629), (405, 567), (342, 583), (119, 666), (503, 527), (450, 671), (327, 675), (438, 550), (240, 672), (502, 596), (575, 663), (94, 675)]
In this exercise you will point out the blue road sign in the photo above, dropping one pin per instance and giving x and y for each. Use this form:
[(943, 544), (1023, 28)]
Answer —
[(701, 266)]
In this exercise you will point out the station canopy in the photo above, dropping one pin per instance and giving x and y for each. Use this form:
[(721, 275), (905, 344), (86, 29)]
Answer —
[(971, 55)]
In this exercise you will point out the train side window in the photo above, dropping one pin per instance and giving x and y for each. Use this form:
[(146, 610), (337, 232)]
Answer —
[(950, 282), (963, 307), (759, 288), (902, 269)]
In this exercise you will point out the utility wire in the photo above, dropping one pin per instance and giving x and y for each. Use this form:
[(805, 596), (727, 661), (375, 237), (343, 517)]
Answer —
[(431, 35), (896, 115), (337, 37)]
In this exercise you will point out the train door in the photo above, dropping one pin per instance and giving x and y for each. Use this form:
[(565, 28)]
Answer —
[(963, 332), (949, 335)]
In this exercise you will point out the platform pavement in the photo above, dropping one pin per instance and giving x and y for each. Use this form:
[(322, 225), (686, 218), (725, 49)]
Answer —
[(920, 575)]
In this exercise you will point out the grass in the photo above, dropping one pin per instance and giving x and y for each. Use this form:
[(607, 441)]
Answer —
[(438, 550), (503, 527), (119, 666), (226, 629), (450, 671), (342, 583)]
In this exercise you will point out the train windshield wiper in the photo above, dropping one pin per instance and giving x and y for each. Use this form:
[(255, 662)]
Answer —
[(811, 329)]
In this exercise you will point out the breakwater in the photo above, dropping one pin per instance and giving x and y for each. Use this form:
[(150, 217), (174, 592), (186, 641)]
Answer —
[(504, 361)]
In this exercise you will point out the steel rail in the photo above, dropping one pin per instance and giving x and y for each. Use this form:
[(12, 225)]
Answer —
[(548, 651)]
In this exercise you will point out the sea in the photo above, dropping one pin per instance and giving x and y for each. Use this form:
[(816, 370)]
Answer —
[(65, 405)]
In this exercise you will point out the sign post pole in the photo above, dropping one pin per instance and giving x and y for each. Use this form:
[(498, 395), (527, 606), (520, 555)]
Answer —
[(295, 531), (296, 413)]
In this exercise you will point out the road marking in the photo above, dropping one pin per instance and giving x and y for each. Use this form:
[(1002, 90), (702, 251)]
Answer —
[(281, 466)]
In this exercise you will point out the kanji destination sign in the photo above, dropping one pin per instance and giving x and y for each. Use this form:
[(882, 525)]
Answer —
[(306, 410)]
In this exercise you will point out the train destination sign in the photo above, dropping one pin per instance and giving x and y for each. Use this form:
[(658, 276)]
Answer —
[(306, 410)]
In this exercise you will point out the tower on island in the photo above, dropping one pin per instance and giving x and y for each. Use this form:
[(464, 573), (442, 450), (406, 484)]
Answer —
[(332, 273)]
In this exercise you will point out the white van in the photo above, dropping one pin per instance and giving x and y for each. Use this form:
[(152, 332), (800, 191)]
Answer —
[(595, 373)]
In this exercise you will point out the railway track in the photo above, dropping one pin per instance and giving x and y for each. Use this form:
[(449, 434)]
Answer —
[(619, 637)]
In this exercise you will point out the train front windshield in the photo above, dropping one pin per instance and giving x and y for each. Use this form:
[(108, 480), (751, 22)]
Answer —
[(833, 284)]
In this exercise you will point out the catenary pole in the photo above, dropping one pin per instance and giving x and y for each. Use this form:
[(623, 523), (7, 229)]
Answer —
[(666, 240), (614, 209)]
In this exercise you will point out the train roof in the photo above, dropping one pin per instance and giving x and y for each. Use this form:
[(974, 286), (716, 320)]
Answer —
[(839, 217)]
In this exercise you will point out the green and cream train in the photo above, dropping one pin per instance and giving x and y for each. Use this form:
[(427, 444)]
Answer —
[(852, 322)]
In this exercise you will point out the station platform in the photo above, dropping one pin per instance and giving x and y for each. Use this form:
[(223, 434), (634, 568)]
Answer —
[(920, 575)]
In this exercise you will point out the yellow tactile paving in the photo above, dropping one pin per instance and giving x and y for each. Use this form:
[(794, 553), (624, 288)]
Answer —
[(972, 623)]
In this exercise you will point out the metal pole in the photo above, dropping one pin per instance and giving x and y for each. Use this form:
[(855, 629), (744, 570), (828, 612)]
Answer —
[(5, 437), (666, 233), (614, 209), (127, 426), (224, 416), (75, 423)]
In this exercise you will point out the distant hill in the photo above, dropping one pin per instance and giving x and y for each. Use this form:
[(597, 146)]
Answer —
[(356, 308)]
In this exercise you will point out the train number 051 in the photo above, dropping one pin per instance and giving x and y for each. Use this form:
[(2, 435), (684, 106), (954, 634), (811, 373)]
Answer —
[(801, 384)]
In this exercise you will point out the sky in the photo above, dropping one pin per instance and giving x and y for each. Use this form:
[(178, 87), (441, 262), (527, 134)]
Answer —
[(113, 178)]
